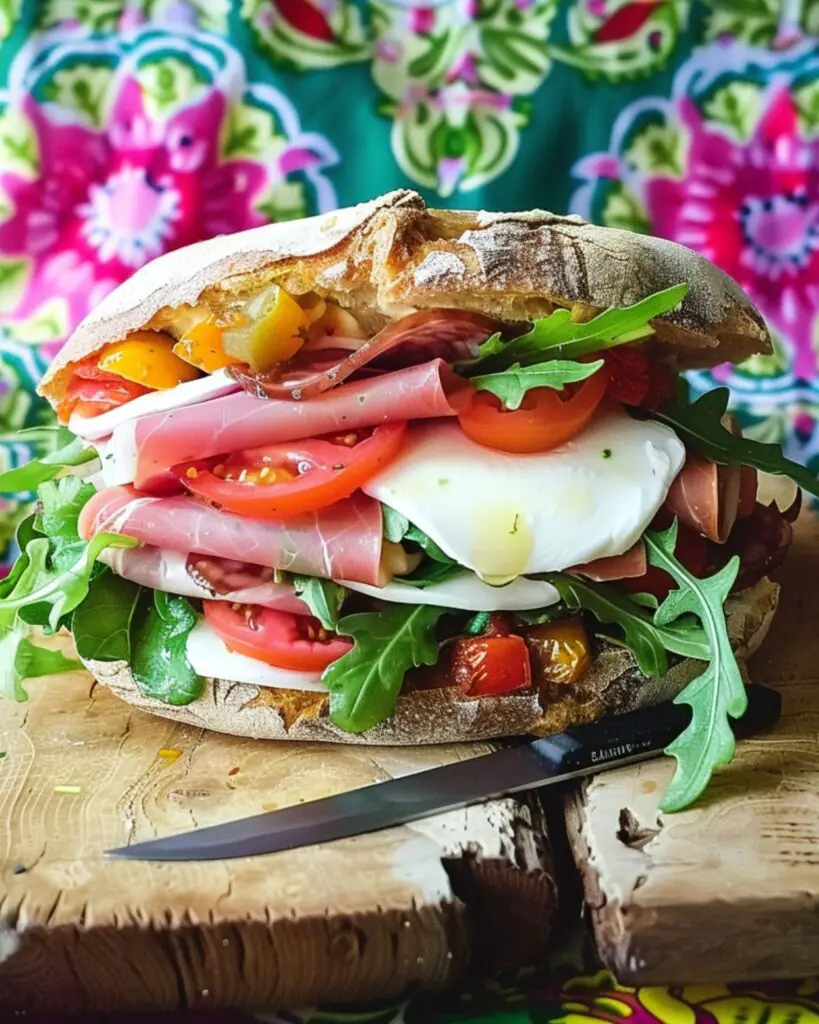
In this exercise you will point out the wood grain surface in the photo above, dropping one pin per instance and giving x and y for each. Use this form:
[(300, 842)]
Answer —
[(728, 890), (367, 917)]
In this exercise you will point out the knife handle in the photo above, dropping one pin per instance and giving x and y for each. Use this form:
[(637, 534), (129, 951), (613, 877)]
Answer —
[(645, 732)]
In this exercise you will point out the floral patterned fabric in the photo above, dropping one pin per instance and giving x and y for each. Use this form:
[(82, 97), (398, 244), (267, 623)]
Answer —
[(131, 127)]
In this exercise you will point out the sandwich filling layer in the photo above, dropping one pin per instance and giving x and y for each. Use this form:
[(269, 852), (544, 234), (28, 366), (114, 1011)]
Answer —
[(280, 497)]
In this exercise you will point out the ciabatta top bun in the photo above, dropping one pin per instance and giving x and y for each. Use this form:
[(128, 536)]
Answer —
[(384, 258)]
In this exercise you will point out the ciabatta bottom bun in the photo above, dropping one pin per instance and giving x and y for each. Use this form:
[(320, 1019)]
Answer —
[(611, 685)]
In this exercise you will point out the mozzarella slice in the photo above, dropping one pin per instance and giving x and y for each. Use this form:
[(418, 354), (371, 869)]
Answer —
[(208, 656), (467, 593), (92, 428), (505, 515)]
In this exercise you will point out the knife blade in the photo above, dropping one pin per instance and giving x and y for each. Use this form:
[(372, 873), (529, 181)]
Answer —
[(524, 765)]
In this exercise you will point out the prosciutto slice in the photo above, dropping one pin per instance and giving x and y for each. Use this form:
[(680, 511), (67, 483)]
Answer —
[(629, 565), (450, 334), (233, 422), (761, 540), (341, 542), (706, 497), (176, 573)]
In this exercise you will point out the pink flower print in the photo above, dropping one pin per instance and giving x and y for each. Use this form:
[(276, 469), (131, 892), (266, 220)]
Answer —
[(422, 20), (465, 69), (753, 209), (105, 202)]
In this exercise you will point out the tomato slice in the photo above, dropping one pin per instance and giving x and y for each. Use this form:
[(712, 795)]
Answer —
[(281, 639), (284, 480), (486, 666), (92, 391), (545, 419)]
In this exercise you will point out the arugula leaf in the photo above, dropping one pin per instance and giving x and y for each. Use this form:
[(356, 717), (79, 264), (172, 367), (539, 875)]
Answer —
[(364, 683), (537, 616), (61, 589), (699, 426), (477, 623), (26, 531), (30, 476), (719, 692), (648, 640), (557, 336), (512, 384), (395, 525), (20, 659), (398, 528), (102, 623), (61, 503), (430, 572), (159, 662), (323, 597), (31, 661)]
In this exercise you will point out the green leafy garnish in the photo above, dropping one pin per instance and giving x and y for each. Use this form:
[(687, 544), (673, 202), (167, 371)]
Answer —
[(102, 623), (648, 641), (26, 531), (324, 598), (159, 661), (431, 572), (31, 661), (20, 659), (395, 525), (30, 476), (537, 616), (699, 426), (511, 385), (477, 623), (719, 692), (364, 683), (61, 589), (398, 528), (61, 502), (557, 336)]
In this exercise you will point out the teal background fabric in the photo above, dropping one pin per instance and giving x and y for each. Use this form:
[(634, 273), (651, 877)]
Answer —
[(130, 128)]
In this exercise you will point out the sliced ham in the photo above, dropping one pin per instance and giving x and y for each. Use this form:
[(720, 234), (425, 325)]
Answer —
[(630, 565), (223, 425), (706, 497), (342, 541), (449, 334), (163, 569)]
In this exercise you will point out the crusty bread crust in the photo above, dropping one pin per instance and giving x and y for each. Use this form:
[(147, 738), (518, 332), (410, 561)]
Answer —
[(388, 257), (612, 685)]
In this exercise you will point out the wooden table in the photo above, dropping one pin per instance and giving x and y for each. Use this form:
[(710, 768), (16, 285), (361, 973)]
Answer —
[(361, 918), (726, 891)]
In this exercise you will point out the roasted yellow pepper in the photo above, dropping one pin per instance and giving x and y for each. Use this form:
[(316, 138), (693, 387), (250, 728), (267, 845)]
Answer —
[(270, 330), (147, 358), (201, 345), (560, 651)]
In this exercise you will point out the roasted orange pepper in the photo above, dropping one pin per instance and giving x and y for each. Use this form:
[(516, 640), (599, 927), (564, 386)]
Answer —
[(147, 358), (201, 345)]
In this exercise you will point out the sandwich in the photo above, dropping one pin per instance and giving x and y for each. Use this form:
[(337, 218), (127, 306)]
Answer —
[(397, 475)]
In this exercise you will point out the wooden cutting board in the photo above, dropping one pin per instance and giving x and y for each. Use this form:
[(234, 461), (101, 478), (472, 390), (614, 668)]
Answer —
[(368, 917), (729, 890)]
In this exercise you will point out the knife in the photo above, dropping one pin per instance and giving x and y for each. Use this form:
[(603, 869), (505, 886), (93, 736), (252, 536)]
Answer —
[(524, 765)]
